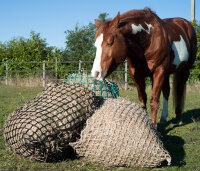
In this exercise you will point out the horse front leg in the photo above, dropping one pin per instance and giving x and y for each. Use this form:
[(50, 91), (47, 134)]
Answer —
[(139, 82), (158, 80), (140, 85), (165, 91)]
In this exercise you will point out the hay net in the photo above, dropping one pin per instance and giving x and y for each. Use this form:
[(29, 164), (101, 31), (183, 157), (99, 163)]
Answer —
[(43, 128), (105, 89), (120, 133)]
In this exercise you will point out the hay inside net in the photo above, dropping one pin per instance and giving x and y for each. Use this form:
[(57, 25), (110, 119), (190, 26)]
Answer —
[(120, 133), (105, 89), (43, 128)]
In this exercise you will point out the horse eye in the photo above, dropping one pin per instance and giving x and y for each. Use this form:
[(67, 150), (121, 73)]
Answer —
[(110, 44), (110, 41)]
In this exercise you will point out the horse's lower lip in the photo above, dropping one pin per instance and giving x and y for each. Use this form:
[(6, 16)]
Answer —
[(99, 77)]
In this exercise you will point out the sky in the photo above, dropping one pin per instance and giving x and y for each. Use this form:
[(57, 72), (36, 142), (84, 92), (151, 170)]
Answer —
[(51, 18)]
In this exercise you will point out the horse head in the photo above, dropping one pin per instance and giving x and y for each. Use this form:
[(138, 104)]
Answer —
[(110, 48)]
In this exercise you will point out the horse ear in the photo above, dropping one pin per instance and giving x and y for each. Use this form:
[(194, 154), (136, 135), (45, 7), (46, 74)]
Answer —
[(97, 23), (115, 21)]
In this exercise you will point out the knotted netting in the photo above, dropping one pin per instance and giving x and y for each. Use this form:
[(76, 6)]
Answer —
[(120, 133), (105, 89), (43, 128)]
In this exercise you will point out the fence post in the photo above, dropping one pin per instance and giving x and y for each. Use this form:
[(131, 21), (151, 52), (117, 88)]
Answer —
[(79, 67), (43, 74), (6, 73), (56, 67), (126, 76)]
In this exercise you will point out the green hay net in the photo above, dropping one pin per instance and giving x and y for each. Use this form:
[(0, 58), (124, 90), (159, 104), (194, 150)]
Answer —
[(105, 89)]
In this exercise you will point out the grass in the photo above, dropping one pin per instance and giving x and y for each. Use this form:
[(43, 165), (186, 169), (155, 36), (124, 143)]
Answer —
[(182, 142)]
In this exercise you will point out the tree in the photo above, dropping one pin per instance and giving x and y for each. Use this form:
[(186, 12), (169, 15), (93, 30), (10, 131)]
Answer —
[(196, 66), (102, 17), (25, 50), (80, 43)]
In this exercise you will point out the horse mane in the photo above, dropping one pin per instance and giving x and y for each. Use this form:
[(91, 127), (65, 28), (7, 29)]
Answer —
[(138, 14)]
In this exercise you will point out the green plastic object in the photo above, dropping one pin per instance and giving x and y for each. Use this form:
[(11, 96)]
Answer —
[(105, 89)]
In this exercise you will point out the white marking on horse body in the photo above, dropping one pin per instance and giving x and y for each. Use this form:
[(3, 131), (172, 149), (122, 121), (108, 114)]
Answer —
[(180, 51), (164, 110), (136, 29), (96, 68), (149, 28), (139, 28)]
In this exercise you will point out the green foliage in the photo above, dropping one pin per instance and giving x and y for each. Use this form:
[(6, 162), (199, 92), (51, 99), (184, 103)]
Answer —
[(196, 66), (80, 43), (102, 17), (79, 46), (24, 50)]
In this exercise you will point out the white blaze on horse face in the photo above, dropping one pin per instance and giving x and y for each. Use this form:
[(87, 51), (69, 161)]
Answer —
[(96, 69), (164, 110), (180, 51), (139, 28)]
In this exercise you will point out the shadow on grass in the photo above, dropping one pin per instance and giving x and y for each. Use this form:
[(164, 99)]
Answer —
[(188, 117), (174, 144), (66, 154)]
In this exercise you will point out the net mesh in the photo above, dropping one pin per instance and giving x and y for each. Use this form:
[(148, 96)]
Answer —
[(105, 89), (43, 128), (120, 133)]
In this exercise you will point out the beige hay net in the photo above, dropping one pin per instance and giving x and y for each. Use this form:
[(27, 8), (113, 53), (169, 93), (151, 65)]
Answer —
[(43, 128), (120, 133)]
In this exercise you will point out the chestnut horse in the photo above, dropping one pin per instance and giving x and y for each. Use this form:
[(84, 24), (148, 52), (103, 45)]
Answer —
[(153, 47)]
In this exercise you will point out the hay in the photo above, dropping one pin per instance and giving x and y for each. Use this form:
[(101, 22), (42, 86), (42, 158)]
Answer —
[(120, 133), (105, 89), (43, 128)]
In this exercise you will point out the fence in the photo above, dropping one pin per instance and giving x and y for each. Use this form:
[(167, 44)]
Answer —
[(51, 71), (44, 68)]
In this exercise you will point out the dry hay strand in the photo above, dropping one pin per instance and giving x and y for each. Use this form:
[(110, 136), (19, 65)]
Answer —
[(104, 88), (43, 128), (120, 133)]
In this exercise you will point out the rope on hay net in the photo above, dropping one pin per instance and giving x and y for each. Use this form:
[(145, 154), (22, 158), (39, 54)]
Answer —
[(120, 133), (105, 89), (43, 128)]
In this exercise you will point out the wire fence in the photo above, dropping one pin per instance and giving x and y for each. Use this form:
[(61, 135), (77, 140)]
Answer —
[(44, 72)]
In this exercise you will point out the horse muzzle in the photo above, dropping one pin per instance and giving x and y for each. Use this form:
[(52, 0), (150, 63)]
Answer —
[(98, 75)]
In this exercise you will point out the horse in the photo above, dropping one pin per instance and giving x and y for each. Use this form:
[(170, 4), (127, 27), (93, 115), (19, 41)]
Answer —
[(153, 47)]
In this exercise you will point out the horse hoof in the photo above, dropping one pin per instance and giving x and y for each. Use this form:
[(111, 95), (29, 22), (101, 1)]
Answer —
[(180, 122), (162, 122)]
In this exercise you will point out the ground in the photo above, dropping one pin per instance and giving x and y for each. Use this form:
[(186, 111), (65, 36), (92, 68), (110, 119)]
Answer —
[(182, 142)]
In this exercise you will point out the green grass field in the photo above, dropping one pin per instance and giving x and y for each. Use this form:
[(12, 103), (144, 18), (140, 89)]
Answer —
[(182, 142)]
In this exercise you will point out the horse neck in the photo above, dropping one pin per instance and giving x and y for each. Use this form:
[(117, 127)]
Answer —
[(136, 43), (140, 37)]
